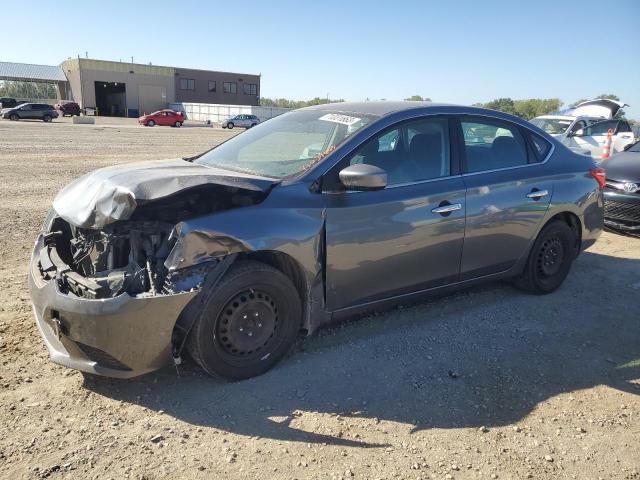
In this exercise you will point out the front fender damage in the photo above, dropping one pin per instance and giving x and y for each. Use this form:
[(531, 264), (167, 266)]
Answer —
[(193, 246)]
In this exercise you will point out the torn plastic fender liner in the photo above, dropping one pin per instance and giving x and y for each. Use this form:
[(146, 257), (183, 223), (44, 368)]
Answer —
[(113, 193)]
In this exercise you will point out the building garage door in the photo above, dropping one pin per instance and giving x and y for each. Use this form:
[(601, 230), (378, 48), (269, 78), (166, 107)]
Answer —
[(151, 98)]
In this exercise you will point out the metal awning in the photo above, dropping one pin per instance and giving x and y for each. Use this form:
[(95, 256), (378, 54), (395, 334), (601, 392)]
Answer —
[(31, 72)]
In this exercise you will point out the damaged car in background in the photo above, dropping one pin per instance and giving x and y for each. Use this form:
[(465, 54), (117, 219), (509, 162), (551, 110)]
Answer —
[(584, 127), (312, 216)]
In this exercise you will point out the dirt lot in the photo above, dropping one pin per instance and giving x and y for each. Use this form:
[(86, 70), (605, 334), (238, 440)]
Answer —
[(490, 383)]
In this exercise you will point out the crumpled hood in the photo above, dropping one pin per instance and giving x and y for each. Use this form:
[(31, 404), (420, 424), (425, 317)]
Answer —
[(113, 193)]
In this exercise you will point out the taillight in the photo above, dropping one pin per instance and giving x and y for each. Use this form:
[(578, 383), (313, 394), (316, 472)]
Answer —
[(599, 174)]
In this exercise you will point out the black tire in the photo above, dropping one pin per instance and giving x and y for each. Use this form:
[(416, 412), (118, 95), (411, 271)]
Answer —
[(230, 125), (46, 118), (550, 259), (150, 123), (178, 124), (14, 117), (247, 324)]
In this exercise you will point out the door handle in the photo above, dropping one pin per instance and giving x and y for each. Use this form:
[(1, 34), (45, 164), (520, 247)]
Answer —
[(445, 209), (625, 136), (537, 194)]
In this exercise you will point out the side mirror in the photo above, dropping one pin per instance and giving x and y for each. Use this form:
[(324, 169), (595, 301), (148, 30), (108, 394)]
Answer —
[(363, 177)]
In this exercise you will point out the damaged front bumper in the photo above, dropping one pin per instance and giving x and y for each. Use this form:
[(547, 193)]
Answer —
[(122, 336)]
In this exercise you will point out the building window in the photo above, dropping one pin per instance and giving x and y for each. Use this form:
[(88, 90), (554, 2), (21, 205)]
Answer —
[(230, 87), (250, 89), (187, 84), (212, 85)]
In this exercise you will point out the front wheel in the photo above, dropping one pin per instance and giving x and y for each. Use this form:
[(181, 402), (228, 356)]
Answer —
[(177, 124), (46, 118), (230, 125), (14, 117), (550, 259), (150, 123), (247, 324)]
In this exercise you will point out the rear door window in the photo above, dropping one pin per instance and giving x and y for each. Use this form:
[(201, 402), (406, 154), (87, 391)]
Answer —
[(492, 144)]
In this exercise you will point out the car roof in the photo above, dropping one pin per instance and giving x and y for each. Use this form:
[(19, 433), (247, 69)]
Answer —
[(386, 108), (382, 107)]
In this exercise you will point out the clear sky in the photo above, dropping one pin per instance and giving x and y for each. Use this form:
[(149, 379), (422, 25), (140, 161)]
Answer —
[(457, 51)]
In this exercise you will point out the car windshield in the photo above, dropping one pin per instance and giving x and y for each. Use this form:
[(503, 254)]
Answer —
[(286, 145), (552, 126)]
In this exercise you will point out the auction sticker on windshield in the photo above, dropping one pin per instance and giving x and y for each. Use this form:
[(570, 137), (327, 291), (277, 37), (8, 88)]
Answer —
[(340, 118)]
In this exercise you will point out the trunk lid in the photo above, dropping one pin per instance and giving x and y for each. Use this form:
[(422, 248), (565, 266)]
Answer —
[(600, 107)]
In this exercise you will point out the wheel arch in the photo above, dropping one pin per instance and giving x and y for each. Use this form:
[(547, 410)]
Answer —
[(574, 222), (291, 268)]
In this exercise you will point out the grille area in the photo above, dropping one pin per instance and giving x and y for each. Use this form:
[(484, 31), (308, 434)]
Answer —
[(622, 211)]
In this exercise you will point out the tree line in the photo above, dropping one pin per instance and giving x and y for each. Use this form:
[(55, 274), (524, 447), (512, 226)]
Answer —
[(32, 90), (528, 108)]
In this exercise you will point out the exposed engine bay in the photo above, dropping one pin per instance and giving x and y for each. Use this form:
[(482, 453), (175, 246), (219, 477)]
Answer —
[(128, 256)]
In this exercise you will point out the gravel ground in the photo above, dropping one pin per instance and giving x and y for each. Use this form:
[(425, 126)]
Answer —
[(489, 383)]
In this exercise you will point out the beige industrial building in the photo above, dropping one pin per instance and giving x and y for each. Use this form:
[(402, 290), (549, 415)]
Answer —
[(130, 89)]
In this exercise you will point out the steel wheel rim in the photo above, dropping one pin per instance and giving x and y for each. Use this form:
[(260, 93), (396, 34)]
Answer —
[(247, 325), (551, 257)]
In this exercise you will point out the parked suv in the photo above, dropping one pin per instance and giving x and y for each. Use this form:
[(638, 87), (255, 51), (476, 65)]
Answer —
[(246, 121), (67, 107), (6, 102), (31, 111), (584, 127), (593, 137)]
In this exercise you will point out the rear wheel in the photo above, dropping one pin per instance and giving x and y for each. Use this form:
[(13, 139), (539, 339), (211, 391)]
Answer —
[(230, 125), (150, 123), (247, 324), (550, 259)]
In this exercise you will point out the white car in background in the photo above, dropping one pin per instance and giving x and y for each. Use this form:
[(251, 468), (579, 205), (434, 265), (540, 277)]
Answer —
[(584, 128)]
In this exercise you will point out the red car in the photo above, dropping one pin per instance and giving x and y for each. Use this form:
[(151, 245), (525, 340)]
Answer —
[(67, 107), (162, 117)]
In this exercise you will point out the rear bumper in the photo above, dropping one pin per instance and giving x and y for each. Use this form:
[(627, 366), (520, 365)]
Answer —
[(119, 337)]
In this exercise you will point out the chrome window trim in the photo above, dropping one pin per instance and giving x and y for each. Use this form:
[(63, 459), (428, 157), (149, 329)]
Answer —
[(420, 182), (389, 187)]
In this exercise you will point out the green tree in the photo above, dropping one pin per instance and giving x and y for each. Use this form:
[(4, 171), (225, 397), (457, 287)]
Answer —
[(505, 105), (286, 103), (527, 109), (417, 98), (30, 90)]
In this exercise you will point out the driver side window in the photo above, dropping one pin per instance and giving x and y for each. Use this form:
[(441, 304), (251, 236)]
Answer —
[(412, 152)]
